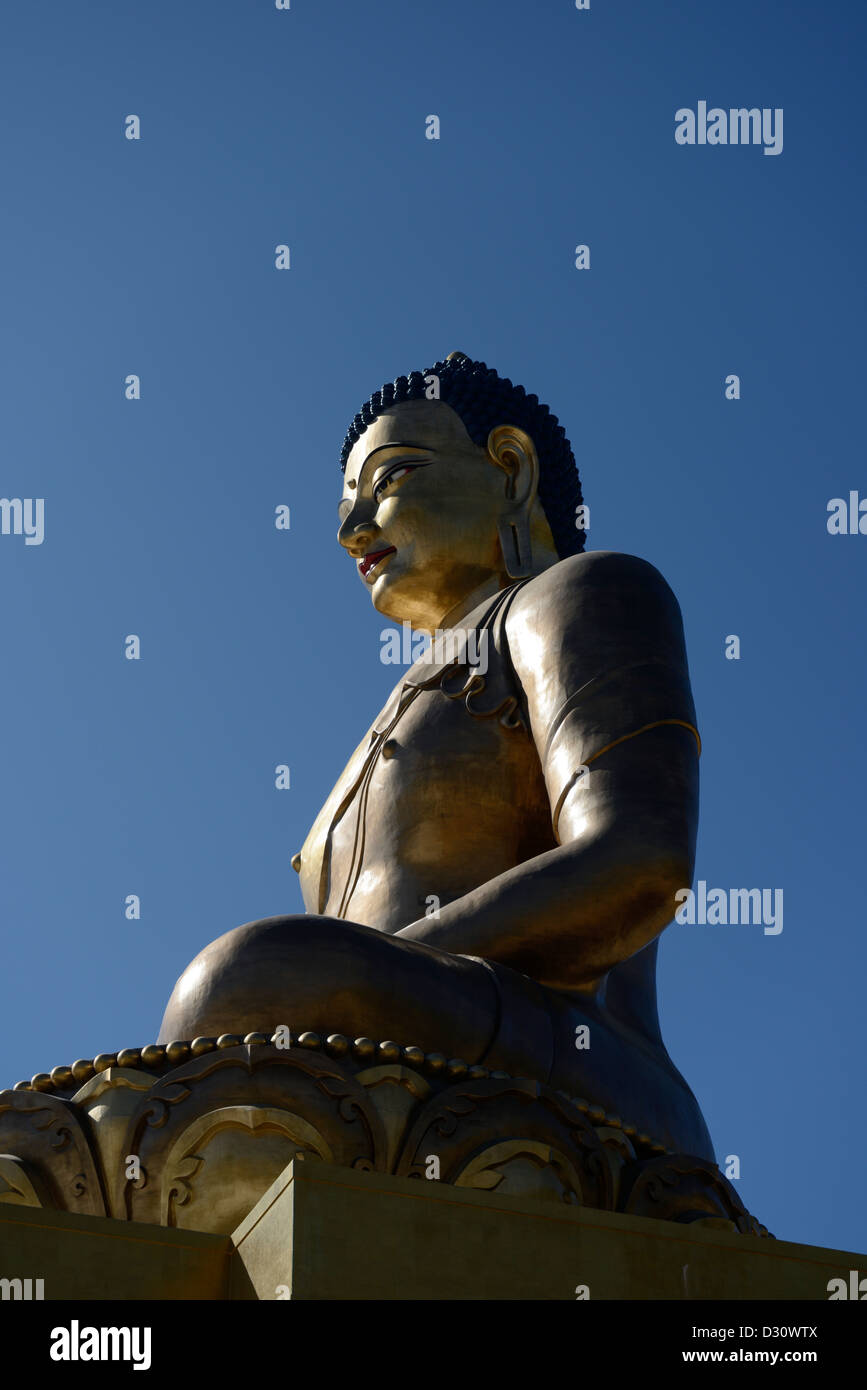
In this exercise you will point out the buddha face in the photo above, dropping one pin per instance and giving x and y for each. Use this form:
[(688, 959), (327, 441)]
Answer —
[(419, 513)]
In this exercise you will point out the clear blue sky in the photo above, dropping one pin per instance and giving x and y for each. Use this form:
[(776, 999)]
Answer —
[(156, 257)]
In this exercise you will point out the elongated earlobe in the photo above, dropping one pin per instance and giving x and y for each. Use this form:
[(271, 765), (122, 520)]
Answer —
[(513, 451), (515, 543)]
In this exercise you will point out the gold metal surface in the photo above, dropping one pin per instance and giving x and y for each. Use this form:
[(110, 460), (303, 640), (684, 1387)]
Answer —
[(546, 806)]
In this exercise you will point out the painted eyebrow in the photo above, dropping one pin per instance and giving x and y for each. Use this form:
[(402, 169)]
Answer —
[(395, 444)]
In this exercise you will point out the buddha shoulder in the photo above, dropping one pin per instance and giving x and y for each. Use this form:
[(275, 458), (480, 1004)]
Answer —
[(602, 603)]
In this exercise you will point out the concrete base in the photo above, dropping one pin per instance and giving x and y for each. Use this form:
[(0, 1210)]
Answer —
[(323, 1232), (95, 1257)]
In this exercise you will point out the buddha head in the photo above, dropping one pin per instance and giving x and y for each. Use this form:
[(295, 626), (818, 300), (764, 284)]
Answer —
[(455, 483)]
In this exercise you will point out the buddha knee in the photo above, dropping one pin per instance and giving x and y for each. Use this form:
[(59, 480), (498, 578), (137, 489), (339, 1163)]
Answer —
[(249, 978)]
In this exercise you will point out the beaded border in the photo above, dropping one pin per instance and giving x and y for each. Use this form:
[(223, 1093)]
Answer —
[(155, 1056)]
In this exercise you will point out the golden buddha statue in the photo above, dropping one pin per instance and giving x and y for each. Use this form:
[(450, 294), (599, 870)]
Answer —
[(491, 872)]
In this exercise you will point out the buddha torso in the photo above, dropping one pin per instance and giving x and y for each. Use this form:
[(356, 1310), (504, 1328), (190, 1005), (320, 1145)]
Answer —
[(443, 793)]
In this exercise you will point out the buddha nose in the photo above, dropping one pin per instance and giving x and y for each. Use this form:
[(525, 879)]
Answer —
[(356, 533)]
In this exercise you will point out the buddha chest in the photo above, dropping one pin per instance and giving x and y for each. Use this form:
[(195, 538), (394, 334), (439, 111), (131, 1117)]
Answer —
[(444, 793)]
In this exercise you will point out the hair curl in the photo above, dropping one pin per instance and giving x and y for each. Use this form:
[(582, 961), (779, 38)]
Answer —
[(483, 400)]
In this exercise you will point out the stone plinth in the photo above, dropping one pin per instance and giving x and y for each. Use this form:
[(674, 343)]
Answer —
[(323, 1232)]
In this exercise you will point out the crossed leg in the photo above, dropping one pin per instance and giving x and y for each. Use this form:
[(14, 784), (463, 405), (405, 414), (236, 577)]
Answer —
[(331, 976)]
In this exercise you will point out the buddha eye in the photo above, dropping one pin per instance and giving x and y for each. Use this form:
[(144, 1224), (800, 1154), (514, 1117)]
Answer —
[(392, 477)]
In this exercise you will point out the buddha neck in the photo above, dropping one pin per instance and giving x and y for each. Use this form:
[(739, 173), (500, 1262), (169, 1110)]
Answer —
[(455, 615), (487, 589)]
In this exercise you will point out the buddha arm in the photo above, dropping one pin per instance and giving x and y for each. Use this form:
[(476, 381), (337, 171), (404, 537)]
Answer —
[(597, 645)]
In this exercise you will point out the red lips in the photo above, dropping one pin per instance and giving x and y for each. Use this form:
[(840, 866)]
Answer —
[(372, 558)]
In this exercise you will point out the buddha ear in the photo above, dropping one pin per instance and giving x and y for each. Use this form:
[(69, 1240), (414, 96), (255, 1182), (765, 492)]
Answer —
[(512, 450)]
